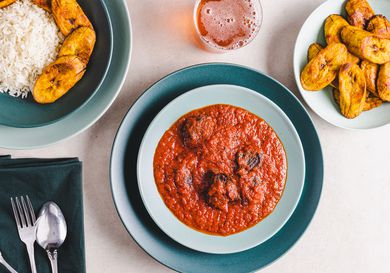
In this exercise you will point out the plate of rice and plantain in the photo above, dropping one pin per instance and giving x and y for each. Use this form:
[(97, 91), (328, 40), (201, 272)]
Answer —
[(54, 56), (98, 98), (342, 63)]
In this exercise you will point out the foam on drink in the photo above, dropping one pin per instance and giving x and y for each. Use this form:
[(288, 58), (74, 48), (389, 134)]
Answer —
[(228, 24)]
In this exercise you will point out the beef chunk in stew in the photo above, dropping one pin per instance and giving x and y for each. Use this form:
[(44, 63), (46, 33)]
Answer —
[(196, 130), (222, 191), (247, 160)]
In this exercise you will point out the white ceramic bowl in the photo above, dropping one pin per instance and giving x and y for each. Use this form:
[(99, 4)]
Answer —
[(253, 102), (322, 102)]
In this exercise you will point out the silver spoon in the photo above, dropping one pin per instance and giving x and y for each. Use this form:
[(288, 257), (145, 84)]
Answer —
[(51, 231)]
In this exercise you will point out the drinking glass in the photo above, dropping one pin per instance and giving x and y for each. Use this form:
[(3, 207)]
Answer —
[(227, 25)]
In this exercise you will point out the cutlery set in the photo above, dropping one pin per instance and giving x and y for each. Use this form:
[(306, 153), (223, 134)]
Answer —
[(49, 230)]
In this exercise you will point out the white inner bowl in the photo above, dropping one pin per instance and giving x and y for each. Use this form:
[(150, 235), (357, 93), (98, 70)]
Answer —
[(322, 102), (253, 102)]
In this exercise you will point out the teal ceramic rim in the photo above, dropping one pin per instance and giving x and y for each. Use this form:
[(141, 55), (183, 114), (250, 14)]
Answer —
[(182, 233), (83, 118), (101, 80), (143, 229)]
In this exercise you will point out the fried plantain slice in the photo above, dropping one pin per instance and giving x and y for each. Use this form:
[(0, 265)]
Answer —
[(366, 45), (313, 51), (57, 79), (383, 82), (79, 43), (380, 26), (359, 13), (45, 4), (353, 93), (333, 25), (5, 3), (323, 68), (372, 102), (69, 15), (370, 71)]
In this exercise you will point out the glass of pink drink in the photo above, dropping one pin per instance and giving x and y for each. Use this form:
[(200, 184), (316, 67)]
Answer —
[(224, 25)]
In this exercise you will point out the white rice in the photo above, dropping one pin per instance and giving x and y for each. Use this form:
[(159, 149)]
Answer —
[(29, 40)]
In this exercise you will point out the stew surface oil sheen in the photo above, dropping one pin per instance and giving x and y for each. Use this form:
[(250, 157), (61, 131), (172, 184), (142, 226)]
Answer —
[(220, 169)]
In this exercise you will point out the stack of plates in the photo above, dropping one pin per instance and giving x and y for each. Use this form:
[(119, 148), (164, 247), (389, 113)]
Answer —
[(136, 202), (25, 124)]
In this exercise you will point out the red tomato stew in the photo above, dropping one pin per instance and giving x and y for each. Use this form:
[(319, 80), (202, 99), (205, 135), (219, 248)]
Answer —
[(220, 169)]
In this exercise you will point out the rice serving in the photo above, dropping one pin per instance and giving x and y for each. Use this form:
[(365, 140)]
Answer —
[(29, 41)]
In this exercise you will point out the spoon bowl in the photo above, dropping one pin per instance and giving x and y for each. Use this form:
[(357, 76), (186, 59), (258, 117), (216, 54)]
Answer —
[(51, 231)]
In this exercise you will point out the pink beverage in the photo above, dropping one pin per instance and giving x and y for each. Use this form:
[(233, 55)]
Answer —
[(228, 24)]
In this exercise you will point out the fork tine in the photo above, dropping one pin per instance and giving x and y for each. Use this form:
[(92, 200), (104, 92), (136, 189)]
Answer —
[(20, 212), (31, 209), (15, 213), (26, 213)]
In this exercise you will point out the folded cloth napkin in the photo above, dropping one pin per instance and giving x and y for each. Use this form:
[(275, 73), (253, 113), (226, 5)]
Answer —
[(57, 180)]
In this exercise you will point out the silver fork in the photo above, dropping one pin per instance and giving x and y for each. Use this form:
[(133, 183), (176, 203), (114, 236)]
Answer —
[(26, 223), (6, 265)]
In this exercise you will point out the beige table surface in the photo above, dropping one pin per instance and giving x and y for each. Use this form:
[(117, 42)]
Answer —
[(351, 230)]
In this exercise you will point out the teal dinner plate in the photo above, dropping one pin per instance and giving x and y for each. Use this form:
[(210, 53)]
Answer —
[(26, 113), (256, 104), (76, 122), (123, 171)]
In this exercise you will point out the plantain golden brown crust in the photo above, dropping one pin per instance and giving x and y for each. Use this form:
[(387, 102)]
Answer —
[(383, 82), (57, 79), (5, 3), (313, 51), (359, 13), (315, 48), (372, 102), (366, 45), (352, 58), (353, 93), (79, 43), (333, 26), (45, 4), (380, 26), (323, 68), (370, 71), (69, 15)]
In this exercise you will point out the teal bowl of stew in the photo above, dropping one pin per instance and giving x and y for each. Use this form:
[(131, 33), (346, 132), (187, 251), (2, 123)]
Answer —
[(123, 171), (26, 113)]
